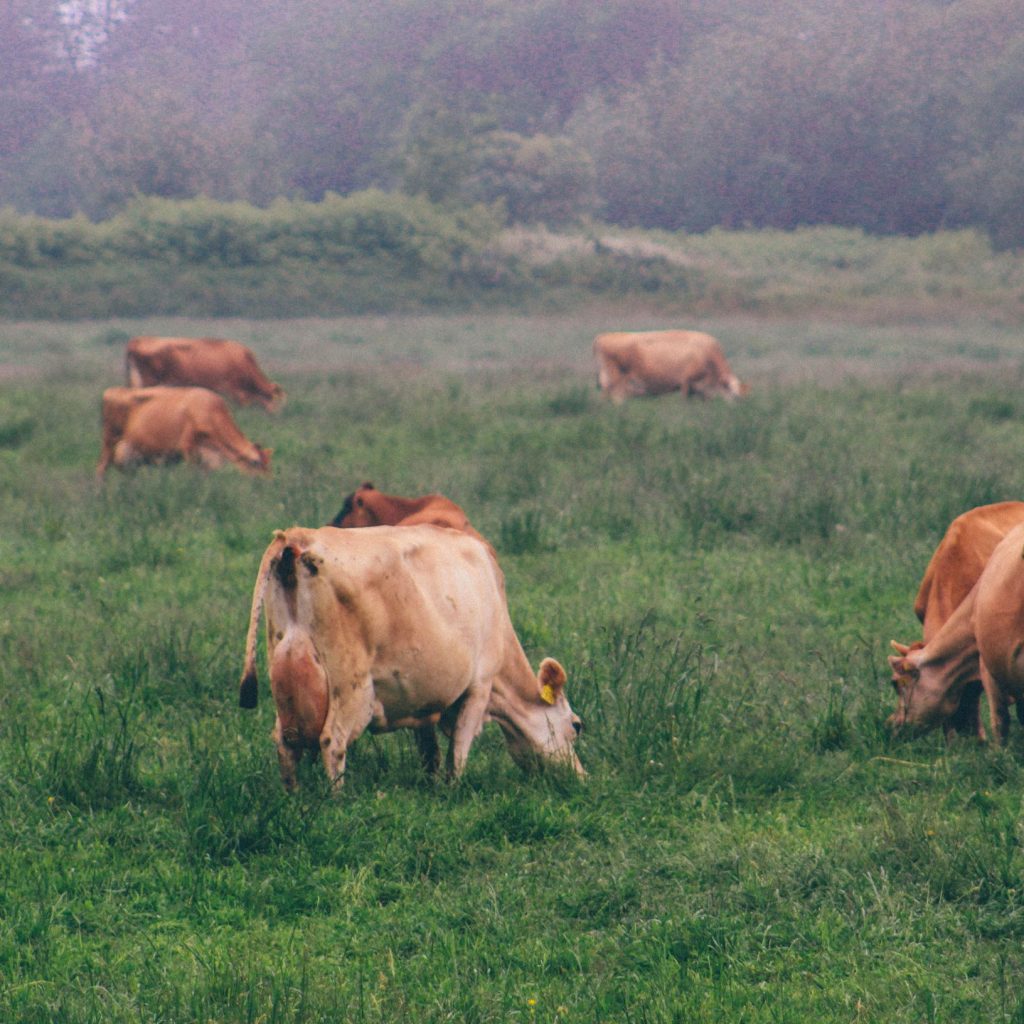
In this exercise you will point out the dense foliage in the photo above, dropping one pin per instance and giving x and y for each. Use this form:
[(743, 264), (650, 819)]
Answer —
[(721, 582), (901, 116), (374, 251)]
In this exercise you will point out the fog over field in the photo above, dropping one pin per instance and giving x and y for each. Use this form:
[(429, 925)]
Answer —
[(900, 117)]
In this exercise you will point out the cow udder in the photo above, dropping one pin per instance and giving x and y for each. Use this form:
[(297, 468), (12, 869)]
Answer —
[(299, 685)]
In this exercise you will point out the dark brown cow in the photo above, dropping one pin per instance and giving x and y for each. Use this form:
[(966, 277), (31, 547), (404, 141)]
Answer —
[(161, 425), (631, 364), (221, 365)]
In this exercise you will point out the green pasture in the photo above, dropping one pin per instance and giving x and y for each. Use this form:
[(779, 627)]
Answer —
[(720, 581)]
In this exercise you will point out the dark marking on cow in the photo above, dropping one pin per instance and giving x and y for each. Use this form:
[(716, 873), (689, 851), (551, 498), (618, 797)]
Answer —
[(285, 567), (310, 563), (346, 509)]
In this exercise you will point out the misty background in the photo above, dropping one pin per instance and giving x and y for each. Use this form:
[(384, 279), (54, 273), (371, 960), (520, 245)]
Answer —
[(895, 116)]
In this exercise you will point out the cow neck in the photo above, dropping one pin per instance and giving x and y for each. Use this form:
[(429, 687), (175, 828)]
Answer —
[(954, 649), (514, 687)]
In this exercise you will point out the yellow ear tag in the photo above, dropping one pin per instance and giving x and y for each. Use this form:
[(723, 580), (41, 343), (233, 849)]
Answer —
[(547, 694)]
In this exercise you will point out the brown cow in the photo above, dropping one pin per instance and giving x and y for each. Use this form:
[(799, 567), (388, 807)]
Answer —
[(221, 365), (366, 506), (636, 363), (397, 627), (160, 425), (982, 637), (953, 570)]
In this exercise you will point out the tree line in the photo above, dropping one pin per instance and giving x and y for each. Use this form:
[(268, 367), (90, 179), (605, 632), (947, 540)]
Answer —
[(903, 116)]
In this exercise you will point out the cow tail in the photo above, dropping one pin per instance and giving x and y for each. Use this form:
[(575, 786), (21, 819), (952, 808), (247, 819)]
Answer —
[(248, 688)]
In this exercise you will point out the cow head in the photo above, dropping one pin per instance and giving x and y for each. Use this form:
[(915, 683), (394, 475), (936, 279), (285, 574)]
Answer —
[(354, 511), (544, 727), (735, 388), (923, 697), (259, 461)]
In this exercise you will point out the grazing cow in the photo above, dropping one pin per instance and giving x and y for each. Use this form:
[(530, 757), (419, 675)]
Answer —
[(366, 506), (160, 425), (221, 365), (632, 364), (953, 570), (397, 627), (983, 637)]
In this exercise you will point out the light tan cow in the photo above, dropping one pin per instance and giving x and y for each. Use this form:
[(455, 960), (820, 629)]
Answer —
[(397, 627), (162, 425), (983, 637), (221, 365), (638, 363), (953, 570)]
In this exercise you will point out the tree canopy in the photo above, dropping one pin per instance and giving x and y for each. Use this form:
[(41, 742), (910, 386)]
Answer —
[(900, 116)]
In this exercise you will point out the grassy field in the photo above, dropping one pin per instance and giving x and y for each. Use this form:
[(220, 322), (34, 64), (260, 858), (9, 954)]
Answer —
[(721, 583)]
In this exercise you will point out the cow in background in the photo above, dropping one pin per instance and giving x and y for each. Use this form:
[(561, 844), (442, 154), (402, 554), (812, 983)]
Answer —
[(366, 506), (222, 365), (638, 363), (162, 425)]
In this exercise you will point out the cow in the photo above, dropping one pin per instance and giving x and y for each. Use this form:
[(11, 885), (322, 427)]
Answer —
[(983, 637), (366, 506), (162, 425), (221, 365), (636, 363), (397, 627), (953, 570)]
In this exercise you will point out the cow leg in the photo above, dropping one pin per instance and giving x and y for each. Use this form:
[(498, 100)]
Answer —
[(199, 449), (287, 758), (209, 457), (430, 752), (468, 723), (998, 706), (106, 456), (349, 712), (966, 720)]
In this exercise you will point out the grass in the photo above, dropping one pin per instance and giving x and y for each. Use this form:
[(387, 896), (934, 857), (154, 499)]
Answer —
[(721, 583)]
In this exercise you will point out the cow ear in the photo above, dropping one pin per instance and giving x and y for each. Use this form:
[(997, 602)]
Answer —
[(367, 486), (902, 666), (552, 678)]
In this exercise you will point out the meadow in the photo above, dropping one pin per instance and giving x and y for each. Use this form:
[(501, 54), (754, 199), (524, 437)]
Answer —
[(721, 582)]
